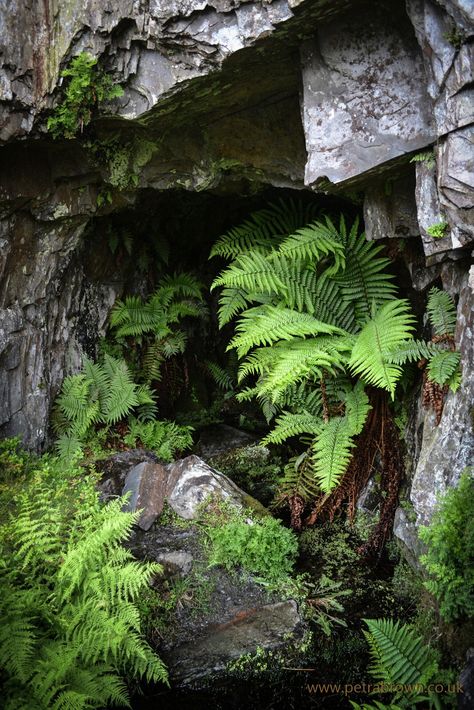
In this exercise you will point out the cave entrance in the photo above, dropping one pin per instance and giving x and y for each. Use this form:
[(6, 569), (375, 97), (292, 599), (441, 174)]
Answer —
[(171, 232)]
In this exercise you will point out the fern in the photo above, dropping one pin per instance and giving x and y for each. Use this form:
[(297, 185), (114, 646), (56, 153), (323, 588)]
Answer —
[(332, 448), (70, 627), (398, 655), (364, 280), (288, 425), (388, 328), (441, 312), (263, 325), (442, 366), (103, 393), (299, 478), (260, 232), (315, 242)]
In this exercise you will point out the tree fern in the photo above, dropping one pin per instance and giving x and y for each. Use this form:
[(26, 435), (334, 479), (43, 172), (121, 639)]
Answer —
[(288, 425), (441, 312), (388, 328)]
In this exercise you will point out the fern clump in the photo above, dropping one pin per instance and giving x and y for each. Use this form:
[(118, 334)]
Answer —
[(103, 393), (151, 324), (316, 308), (450, 551), (87, 86), (68, 590)]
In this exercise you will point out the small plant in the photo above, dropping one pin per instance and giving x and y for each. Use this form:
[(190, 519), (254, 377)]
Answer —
[(87, 87), (449, 559), (68, 590), (426, 156), (438, 230), (263, 547), (164, 438)]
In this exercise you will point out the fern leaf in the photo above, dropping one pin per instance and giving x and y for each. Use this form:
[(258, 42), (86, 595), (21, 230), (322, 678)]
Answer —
[(411, 351), (332, 452), (364, 280), (263, 325), (299, 478), (441, 312), (289, 425), (399, 657), (261, 231), (442, 366), (252, 272), (385, 331), (357, 408), (315, 242)]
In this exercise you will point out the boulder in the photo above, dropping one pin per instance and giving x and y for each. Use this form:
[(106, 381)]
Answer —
[(221, 439), (185, 484)]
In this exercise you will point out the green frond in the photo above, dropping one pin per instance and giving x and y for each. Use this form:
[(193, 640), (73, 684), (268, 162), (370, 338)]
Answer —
[(399, 656), (332, 452), (231, 302), (288, 425), (68, 447), (298, 360), (263, 325), (357, 408), (454, 381), (364, 280), (388, 328), (316, 241), (174, 343), (442, 366), (441, 312), (253, 273), (221, 376), (262, 231), (299, 478), (411, 351), (122, 396)]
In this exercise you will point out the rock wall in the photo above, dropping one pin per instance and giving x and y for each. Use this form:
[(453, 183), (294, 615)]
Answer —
[(231, 95)]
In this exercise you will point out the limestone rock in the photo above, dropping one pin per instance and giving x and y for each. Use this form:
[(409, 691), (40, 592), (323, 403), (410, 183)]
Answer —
[(364, 96), (192, 481)]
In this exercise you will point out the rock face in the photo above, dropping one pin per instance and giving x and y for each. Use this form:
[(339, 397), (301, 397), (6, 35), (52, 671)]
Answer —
[(228, 97)]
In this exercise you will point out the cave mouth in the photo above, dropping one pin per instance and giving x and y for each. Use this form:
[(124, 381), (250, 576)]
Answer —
[(172, 232)]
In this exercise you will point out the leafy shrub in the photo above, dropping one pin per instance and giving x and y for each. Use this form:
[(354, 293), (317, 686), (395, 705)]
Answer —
[(68, 590), (87, 87), (263, 547), (164, 438), (449, 560)]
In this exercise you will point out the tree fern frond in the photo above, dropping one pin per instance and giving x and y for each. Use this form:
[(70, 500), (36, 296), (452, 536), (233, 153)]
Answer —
[(411, 351), (389, 327), (442, 366), (232, 301), (299, 478), (332, 452), (357, 408), (315, 241), (263, 325), (441, 312), (364, 280), (288, 425), (252, 272), (262, 230)]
